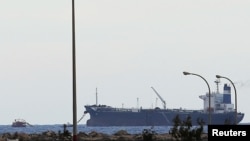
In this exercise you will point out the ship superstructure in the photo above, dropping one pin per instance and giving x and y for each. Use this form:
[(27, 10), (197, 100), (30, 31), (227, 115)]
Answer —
[(220, 102)]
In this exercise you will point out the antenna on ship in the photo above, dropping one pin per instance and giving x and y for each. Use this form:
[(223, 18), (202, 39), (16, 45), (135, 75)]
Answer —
[(137, 103), (156, 102)]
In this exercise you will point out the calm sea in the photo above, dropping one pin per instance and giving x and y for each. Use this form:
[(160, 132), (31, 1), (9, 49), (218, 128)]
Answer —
[(81, 128)]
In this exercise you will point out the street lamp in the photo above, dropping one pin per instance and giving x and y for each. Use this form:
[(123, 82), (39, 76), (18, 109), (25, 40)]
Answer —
[(74, 74), (218, 76), (209, 93)]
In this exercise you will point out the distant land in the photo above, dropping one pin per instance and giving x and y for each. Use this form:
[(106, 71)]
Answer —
[(246, 123)]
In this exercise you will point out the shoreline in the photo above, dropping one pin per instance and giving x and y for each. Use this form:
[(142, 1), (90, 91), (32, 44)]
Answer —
[(121, 135)]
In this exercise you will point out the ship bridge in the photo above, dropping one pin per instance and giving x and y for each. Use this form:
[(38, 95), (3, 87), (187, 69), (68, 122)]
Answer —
[(220, 102)]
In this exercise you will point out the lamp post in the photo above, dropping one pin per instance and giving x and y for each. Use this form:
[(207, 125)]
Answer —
[(218, 76), (209, 93), (74, 74)]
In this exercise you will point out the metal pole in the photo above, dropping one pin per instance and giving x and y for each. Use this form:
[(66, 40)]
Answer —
[(209, 92), (235, 120), (96, 98), (74, 74)]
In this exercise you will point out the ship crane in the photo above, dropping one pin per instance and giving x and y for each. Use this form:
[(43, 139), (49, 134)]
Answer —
[(162, 100)]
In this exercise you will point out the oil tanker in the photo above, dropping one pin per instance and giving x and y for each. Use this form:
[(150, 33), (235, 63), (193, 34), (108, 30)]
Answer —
[(221, 112)]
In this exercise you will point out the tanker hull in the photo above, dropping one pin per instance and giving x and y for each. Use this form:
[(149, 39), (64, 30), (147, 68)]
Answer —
[(108, 116)]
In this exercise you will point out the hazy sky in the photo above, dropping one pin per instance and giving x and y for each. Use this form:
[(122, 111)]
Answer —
[(123, 48)]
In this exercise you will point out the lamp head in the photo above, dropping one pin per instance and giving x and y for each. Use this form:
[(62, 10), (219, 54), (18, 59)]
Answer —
[(186, 73), (218, 76)]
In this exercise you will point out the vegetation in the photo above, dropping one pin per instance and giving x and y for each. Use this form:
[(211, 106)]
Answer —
[(148, 135), (183, 130)]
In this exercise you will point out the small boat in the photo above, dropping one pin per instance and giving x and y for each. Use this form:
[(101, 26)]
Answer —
[(19, 123)]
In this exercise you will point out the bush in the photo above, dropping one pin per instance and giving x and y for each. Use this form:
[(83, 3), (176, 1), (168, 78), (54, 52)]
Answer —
[(183, 131)]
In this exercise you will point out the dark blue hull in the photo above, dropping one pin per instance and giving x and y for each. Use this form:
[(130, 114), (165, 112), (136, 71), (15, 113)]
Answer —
[(107, 116)]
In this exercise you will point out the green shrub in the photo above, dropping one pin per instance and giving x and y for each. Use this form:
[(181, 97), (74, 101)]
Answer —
[(183, 130)]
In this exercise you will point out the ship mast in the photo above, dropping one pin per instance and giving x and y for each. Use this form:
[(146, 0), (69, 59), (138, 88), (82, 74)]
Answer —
[(217, 85)]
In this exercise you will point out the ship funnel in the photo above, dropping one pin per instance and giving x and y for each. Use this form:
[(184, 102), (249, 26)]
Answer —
[(227, 89), (227, 94)]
